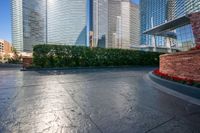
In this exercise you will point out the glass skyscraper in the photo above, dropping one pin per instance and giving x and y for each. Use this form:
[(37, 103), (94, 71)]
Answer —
[(17, 24), (67, 22), (34, 23), (48, 21), (100, 22), (115, 23), (156, 13), (179, 8), (152, 13)]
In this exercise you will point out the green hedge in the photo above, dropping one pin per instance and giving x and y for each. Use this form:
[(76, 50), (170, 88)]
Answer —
[(51, 56)]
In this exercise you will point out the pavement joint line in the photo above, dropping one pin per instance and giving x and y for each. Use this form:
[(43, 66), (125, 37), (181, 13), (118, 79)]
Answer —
[(161, 124), (100, 130), (171, 92)]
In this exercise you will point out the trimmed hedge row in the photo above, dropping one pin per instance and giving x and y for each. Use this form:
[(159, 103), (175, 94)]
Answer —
[(51, 56)]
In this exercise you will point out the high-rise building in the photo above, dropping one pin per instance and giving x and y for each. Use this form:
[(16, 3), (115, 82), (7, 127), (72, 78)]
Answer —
[(134, 24), (116, 23), (180, 8), (152, 14), (127, 29), (17, 24), (34, 24), (67, 22), (171, 21), (48, 21), (100, 23)]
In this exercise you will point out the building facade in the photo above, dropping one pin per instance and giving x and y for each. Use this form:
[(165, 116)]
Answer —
[(48, 21), (168, 20), (115, 23), (100, 23), (5, 47), (152, 14), (179, 8), (17, 24), (134, 25), (127, 26), (34, 23), (67, 22)]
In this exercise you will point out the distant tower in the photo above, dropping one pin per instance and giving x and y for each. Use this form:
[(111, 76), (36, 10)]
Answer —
[(114, 11), (115, 23), (100, 22), (17, 24)]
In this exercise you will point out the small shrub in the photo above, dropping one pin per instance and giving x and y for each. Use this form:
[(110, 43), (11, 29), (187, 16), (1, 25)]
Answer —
[(15, 60)]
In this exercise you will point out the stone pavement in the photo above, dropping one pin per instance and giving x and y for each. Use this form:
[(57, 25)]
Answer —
[(114, 100)]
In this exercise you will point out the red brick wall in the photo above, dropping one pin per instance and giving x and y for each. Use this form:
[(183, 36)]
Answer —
[(27, 62), (183, 65), (195, 22)]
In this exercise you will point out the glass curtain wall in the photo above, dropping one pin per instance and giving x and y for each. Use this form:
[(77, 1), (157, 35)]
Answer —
[(185, 38), (34, 23), (152, 13), (48, 21)]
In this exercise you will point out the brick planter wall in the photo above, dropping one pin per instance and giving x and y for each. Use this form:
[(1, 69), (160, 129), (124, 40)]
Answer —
[(27, 62), (183, 64)]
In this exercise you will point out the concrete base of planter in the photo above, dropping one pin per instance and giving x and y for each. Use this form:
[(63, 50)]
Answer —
[(187, 90)]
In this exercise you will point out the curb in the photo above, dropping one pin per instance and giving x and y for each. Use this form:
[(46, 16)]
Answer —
[(83, 68), (10, 65), (187, 93)]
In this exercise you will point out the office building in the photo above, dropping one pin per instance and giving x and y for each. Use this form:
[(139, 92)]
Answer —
[(100, 23), (67, 22), (127, 26), (134, 25), (170, 20), (152, 14), (48, 21), (5, 47), (115, 23)]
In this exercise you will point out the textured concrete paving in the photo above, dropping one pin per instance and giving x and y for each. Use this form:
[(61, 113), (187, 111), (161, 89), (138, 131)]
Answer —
[(95, 101)]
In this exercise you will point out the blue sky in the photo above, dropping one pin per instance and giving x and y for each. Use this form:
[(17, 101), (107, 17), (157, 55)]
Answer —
[(5, 19)]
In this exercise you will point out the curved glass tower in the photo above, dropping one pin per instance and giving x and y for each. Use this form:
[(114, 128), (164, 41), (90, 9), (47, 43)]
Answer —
[(158, 14), (48, 21), (67, 22), (152, 13), (34, 23), (100, 22), (17, 24), (179, 8)]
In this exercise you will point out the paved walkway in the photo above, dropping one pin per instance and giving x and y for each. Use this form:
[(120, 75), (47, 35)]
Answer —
[(95, 101)]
